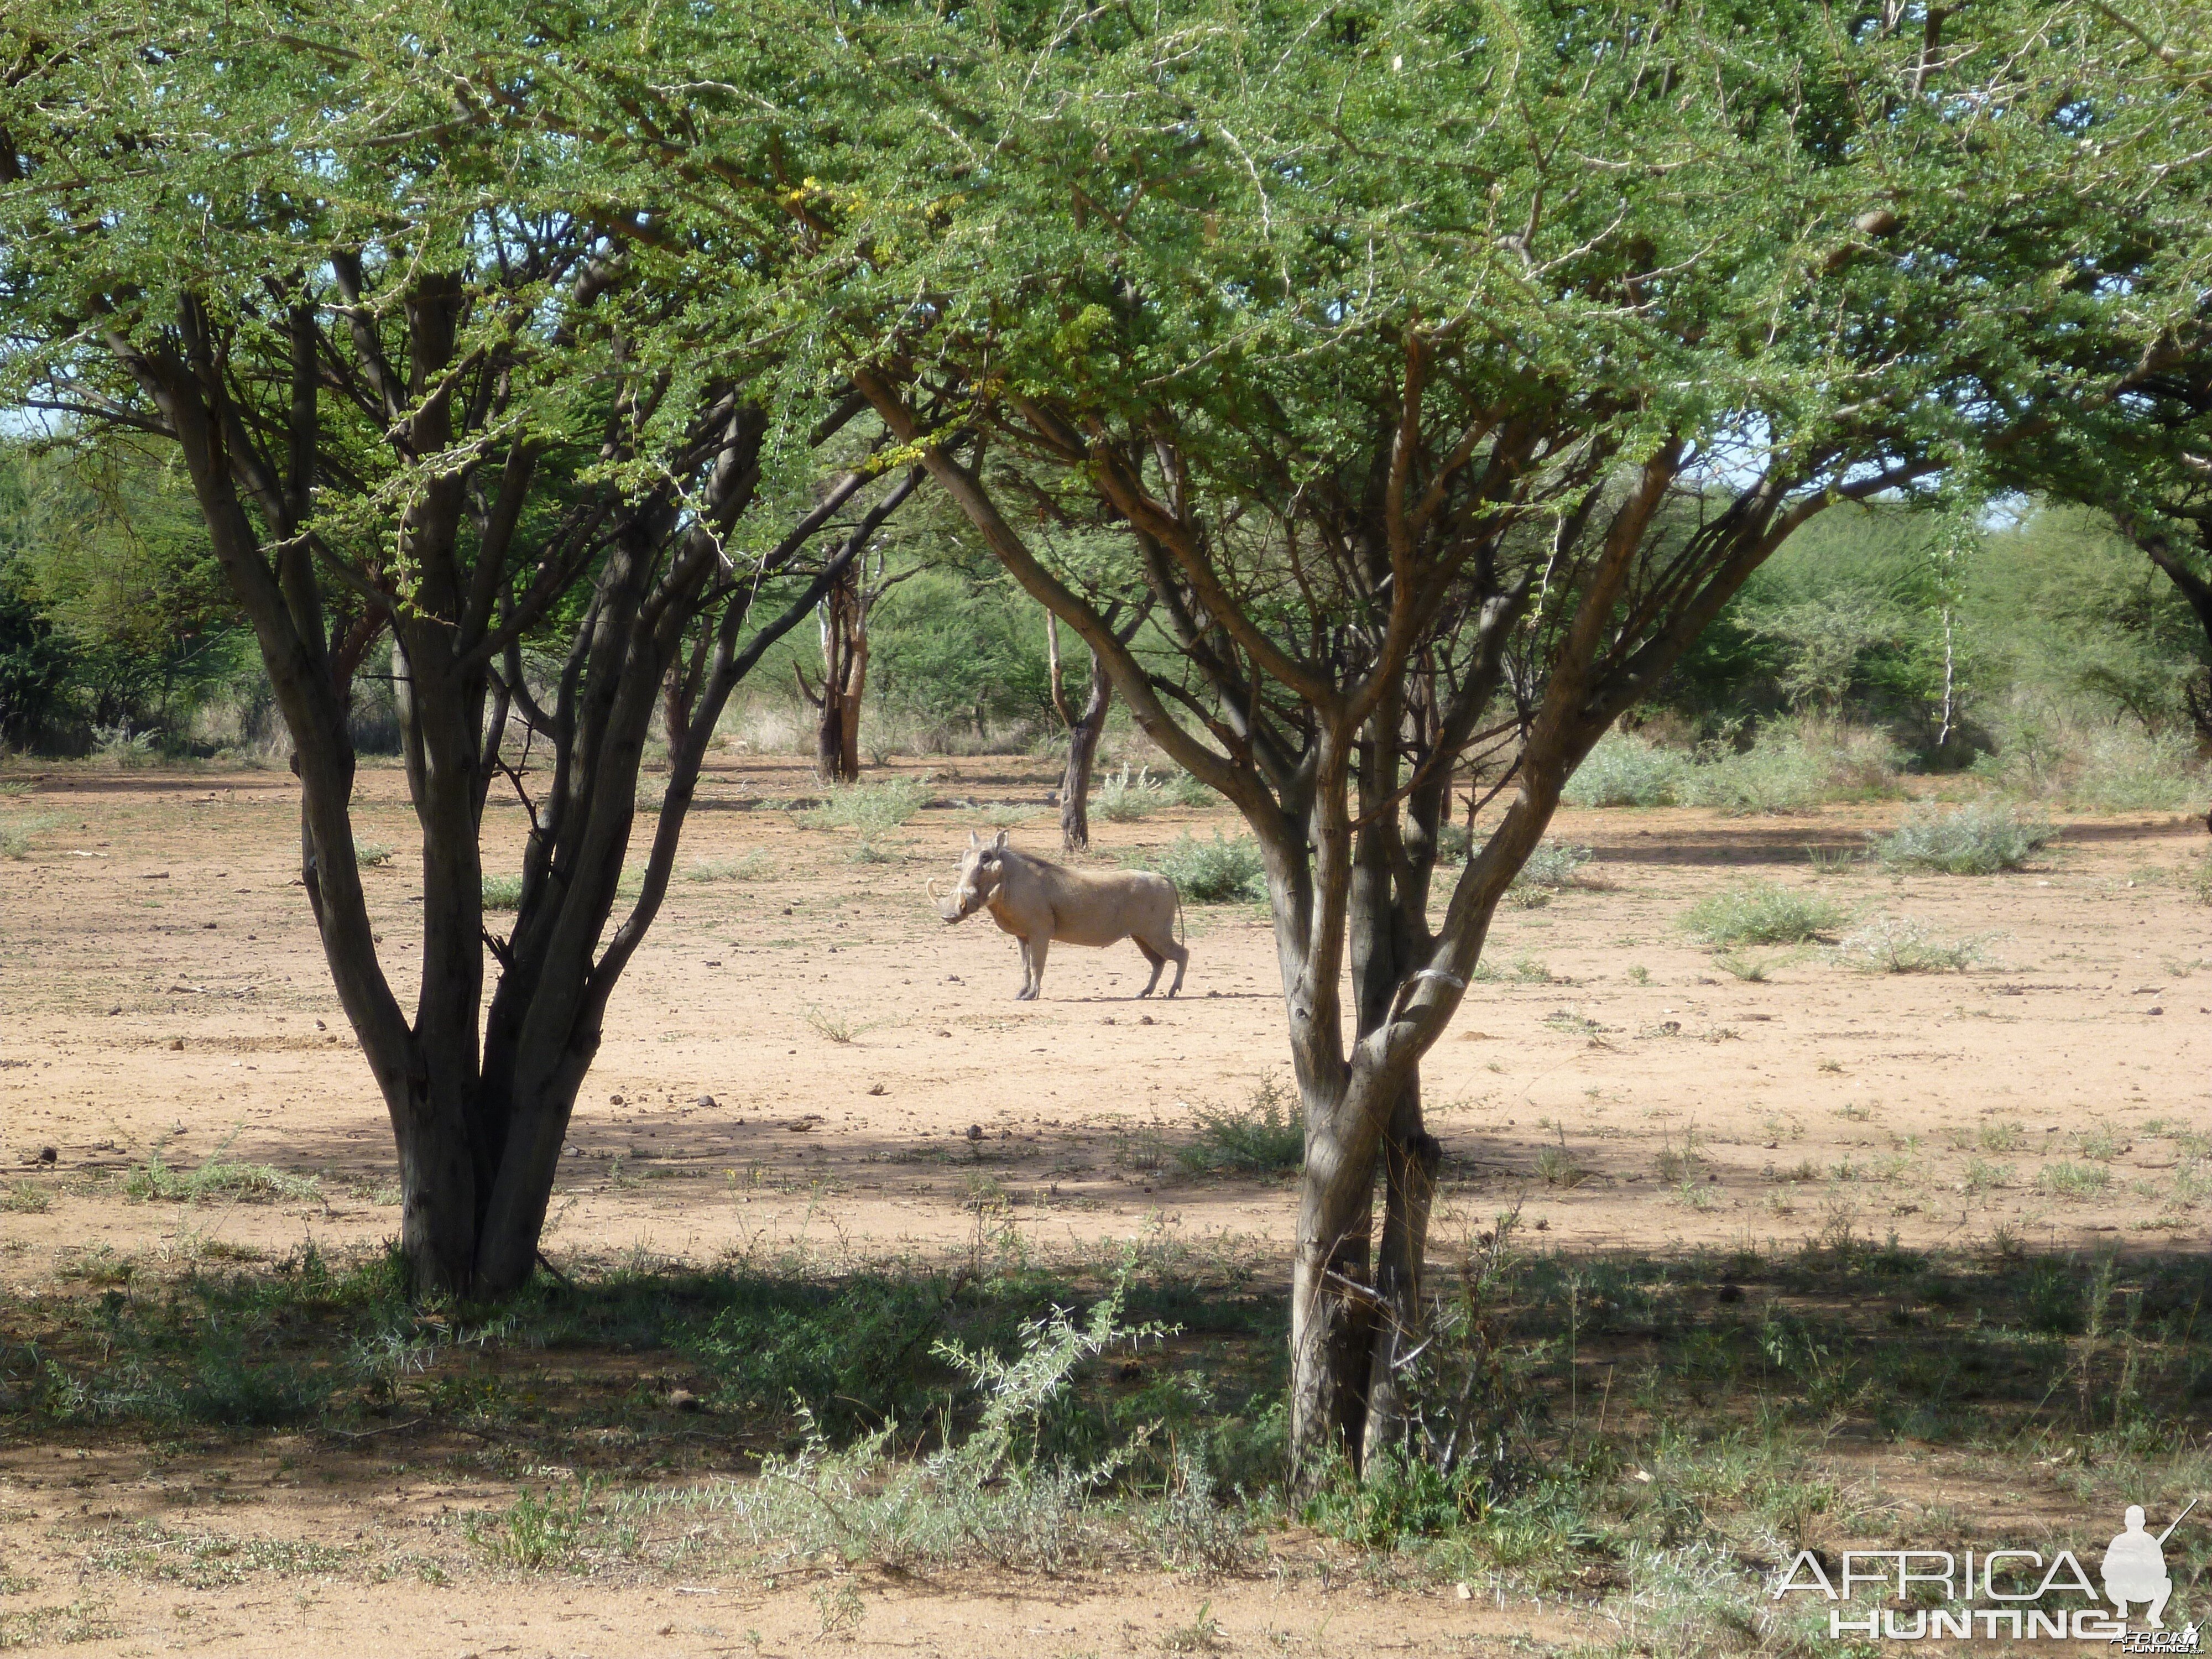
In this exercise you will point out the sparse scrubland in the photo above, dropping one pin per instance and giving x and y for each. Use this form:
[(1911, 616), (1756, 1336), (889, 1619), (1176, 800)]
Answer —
[(1648, 585)]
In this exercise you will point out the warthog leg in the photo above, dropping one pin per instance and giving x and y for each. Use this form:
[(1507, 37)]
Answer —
[(1033, 955), (1159, 951), (1157, 961)]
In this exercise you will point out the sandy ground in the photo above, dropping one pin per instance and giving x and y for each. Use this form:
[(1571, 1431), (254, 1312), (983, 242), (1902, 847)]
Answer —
[(161, 989)]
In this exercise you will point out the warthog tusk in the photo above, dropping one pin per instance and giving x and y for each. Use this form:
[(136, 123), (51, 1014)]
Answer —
[(930, 888)]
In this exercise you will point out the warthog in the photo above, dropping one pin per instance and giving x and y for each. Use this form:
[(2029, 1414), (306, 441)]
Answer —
[(1038, 902)]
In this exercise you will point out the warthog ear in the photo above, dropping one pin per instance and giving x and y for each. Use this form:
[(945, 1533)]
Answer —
[(999, 844), (974, 840)]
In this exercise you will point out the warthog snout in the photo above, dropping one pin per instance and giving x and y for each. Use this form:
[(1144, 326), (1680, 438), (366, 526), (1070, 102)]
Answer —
[(973, 883)]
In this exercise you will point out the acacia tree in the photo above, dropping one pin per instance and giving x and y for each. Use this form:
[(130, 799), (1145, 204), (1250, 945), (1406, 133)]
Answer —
[(1447, 374), (432, 375)]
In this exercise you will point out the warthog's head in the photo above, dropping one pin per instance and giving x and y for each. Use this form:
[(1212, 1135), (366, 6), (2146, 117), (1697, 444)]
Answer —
[(978, 877)]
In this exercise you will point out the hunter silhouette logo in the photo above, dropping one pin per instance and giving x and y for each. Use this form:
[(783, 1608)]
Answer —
[(2134, 1566), (1986, 1594)]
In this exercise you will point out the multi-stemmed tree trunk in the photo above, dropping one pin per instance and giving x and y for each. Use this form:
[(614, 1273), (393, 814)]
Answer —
[(844, 683), (477, 427), (844, 614)]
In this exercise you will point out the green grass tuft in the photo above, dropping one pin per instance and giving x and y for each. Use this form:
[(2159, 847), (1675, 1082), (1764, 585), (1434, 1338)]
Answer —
[(751, 867), (15, 835), (218, 1177)]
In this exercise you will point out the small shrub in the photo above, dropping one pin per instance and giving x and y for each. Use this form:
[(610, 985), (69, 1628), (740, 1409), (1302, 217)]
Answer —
[(1677, 1164), (1901, 944), (1218, 871), (1184, 790), (1265, 1135), (1552, 866), (836, 1027), (1626, 771), (871, 807), (1983, 1176), (16, 837), (1753, 970), (25, 1198), (1977, 839), (119, 745), (532, 1532), (1762, 913), (503, 892), (1556, 1166), (1126, 796), (371, 854)]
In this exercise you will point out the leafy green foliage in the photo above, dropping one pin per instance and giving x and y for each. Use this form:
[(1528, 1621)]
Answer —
[(846, 1356), (1624, 769)]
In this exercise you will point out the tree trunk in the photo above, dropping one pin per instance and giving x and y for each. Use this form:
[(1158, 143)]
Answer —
[(1411, 1159), (1332, 1303), (844, 679), (1083, 734)]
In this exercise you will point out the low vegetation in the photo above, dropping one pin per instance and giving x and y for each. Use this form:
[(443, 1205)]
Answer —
[(218, 1176), (871, 807), (1216, 872), (1786, 767), (1978, 839), (1905, 945), (751, 867), (16, 833), (1077, 1413), (1762, 912), (1264, 1136)]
